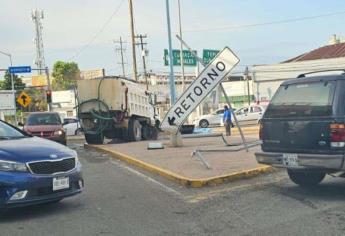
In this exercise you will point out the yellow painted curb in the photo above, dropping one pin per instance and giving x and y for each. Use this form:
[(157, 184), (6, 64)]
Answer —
[(195, 183)]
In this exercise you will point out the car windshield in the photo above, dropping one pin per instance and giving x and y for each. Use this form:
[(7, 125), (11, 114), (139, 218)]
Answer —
[(43, 119), (8, 132), (301, 100)]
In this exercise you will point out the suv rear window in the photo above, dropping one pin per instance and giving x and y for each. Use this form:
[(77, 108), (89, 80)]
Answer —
[(302, 100), (44, 119)]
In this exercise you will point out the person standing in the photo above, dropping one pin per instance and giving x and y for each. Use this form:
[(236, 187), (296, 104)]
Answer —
[(227, 120)]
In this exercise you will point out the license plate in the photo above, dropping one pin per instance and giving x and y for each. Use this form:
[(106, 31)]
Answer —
[(290, 160), (60, 183)]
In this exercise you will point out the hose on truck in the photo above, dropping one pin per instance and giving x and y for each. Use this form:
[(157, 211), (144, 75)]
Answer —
[(103, 124)]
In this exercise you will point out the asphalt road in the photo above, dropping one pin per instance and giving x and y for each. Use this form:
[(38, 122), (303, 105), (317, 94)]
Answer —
[(120, 200)]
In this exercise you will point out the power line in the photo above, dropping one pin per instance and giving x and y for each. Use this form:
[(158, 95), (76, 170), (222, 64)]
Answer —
[(229, 27), (106, 23)]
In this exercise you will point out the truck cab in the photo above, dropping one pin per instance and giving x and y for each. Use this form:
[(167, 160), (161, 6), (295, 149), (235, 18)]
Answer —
[(303, 128)]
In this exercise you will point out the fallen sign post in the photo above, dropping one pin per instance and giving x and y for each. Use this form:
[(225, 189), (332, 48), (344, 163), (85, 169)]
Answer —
[(224, 92), (207, 80)]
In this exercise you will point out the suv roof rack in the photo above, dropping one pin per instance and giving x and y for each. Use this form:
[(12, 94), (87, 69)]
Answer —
[(319, 71)]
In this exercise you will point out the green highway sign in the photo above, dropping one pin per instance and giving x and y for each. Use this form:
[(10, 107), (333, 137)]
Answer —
[(188, 58), (208, 55)]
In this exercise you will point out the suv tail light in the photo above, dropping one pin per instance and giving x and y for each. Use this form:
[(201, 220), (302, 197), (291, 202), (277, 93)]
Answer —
[(337, 135), (261, 131)]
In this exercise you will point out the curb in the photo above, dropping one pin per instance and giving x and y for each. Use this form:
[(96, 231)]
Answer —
[(194, 183), (75, 137)]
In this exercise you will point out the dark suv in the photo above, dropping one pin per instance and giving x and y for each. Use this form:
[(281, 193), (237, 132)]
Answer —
[(303, 128)]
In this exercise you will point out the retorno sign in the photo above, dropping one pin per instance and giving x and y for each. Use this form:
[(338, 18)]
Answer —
[(207, 80)]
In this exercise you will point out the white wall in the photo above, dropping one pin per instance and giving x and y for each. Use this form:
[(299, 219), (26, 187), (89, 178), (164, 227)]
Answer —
[(66, 102), (237, 88), (267, 78)]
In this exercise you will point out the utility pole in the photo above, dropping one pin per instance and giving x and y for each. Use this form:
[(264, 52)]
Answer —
[(37, 16), (121, 49), (141, 37), (133, 41), (246, 77)]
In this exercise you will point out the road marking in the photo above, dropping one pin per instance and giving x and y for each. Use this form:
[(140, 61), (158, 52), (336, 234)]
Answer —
[(194, 198), (149, 179), (204, 196)]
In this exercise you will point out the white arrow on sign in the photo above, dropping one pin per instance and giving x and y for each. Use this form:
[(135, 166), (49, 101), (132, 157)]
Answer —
[(207, 80)]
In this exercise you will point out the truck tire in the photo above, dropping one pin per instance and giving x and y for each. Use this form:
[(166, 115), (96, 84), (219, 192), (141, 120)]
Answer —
[(94, 138), (154, 133), (306, 178), (146, 132), (124, 134), (134, 130)]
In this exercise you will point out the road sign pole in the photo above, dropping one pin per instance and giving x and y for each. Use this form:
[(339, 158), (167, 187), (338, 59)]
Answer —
[(181, 46), (14, 94), (176, 139), (171, 74)]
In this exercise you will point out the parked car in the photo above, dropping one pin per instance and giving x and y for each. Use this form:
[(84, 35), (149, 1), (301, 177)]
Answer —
[(72, 126), (209, 119), (245, 115), (303, 128), (46, 125), (249, 115), (35, 170)]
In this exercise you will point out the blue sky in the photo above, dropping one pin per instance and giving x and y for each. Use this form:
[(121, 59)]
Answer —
[(69, 25)]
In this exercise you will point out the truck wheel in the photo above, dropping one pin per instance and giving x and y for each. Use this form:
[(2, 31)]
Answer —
[(94, 138), (306, 178), (146, 131), (153, 133), (124, 134), (134, 130)]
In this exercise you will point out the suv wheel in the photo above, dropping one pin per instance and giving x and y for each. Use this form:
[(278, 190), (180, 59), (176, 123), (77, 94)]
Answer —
[(203, 124), (306, 178)]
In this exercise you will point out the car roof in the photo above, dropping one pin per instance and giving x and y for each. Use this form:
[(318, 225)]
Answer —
[(314, 79)]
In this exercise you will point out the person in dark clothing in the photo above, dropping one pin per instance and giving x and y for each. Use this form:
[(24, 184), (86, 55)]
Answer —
[(227, 120)]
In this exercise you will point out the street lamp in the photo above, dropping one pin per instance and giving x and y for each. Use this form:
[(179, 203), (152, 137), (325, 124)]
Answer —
[(10, 56), (12, 83)]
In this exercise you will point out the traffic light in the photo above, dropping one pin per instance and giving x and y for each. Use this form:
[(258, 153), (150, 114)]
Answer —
[(49, 96)]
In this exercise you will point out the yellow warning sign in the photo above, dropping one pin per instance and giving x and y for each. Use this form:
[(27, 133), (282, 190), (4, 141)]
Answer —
[(24, 99)]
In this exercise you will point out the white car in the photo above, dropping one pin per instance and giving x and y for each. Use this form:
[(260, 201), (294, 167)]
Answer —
[(249, 115), (72, 126), (245, 115), (213, 119)]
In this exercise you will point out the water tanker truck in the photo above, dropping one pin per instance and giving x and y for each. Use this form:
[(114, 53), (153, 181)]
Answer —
[(115, 108)]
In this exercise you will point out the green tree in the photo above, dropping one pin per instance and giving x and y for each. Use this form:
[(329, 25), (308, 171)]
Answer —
[(6, 84), (65, 75)]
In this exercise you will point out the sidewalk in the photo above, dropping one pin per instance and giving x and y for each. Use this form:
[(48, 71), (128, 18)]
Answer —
[(177, 163)]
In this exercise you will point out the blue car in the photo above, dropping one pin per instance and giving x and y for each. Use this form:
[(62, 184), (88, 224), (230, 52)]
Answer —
[(35, 170)]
